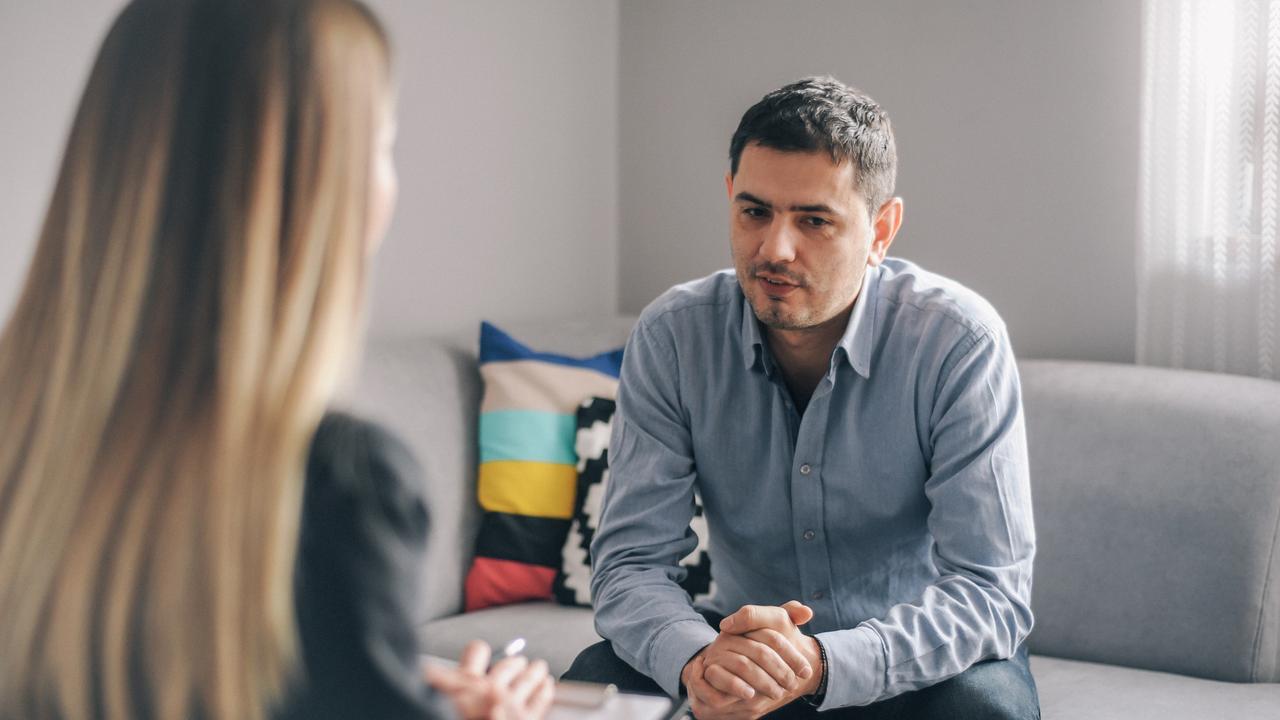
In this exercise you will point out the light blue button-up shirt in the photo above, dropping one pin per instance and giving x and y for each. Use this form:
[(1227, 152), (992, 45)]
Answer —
[(897, 506)]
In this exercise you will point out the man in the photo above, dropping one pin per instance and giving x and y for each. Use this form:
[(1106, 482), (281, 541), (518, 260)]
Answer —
[(853, 426)]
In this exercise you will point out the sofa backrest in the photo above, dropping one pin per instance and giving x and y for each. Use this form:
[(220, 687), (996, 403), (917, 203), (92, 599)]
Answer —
[(427, 390), (1157, 503)]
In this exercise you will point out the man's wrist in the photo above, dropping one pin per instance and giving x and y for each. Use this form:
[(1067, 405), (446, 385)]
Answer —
[(684, 671), (815, 690)]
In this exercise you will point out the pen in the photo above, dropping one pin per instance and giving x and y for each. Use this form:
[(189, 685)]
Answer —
[(515, 647), (511, 649)]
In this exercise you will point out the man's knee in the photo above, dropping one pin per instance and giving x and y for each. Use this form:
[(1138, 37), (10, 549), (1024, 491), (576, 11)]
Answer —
[(996, 690), (983, 703), (600, 664)]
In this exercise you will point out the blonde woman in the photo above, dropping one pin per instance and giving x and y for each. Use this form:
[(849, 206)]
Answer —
[(180, 534)]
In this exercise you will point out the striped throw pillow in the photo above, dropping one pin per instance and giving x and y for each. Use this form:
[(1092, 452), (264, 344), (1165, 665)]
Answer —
[(573, 583), (528, 474)]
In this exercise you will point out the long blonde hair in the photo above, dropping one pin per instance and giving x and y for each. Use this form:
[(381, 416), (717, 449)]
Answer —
[(197, 286)]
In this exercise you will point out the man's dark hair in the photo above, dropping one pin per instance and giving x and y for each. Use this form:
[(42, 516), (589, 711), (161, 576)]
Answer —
[(824, 114)]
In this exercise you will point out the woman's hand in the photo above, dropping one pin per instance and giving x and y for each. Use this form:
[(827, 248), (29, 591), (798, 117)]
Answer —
[(514, 689)]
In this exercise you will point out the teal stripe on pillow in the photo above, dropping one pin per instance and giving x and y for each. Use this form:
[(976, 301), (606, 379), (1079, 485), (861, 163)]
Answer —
[(529, 435)]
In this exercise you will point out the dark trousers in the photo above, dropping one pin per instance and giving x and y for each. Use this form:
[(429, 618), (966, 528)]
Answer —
[(991, 690)]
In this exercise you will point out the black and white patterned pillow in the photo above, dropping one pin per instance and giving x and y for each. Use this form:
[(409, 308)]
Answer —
[(573, 582)]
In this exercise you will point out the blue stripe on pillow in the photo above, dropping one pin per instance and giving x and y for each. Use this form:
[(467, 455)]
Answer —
[(496, 345)]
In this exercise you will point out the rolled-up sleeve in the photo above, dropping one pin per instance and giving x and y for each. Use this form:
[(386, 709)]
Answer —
[(984, 541), (644, 524)]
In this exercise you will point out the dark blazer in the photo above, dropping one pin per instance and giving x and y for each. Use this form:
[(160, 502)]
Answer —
[(364, 533)]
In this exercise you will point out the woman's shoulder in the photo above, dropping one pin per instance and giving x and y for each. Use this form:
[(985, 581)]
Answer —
[(360, 558), (356, 460)]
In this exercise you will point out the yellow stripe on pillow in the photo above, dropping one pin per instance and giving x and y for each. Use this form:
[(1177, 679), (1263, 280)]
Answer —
[(535, 489), (537, 385)]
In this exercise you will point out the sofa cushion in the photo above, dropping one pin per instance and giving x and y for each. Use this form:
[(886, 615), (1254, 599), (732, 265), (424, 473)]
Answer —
[(1071, 690), (1157, 503)]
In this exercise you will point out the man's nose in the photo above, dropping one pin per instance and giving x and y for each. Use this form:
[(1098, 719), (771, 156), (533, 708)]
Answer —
[(779, 243)]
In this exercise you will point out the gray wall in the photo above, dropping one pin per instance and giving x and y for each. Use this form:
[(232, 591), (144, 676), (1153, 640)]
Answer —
[(507, 153), (1017, 128), (564, 157), (45, 52)]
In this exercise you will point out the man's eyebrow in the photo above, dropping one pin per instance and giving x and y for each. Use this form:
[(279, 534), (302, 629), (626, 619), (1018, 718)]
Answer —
[(819, 208), (813, 209), (748, 197)]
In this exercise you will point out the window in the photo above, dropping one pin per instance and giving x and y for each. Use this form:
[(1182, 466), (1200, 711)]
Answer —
[(1210, 186)]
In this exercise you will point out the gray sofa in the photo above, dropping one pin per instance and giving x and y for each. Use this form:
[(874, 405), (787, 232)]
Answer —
[(1157, 503)]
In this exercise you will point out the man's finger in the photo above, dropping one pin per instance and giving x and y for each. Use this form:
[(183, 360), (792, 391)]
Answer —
[(703, 692), (758, 664), (755, 617), (702, 709), (728, 683), (475, 658), (799, 612), (786, 650), (754, 664)]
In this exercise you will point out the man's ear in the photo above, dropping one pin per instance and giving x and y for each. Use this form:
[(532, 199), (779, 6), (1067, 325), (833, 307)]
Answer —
[(728, 184), (887, 221)]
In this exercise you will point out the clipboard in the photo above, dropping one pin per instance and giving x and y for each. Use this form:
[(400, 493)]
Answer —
[(590, 701)]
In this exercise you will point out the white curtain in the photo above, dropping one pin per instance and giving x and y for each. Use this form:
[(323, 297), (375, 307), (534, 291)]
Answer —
[(1210, 186)]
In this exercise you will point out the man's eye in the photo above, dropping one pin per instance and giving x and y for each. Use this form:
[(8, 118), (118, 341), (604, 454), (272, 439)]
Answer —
[(754, 212), (816, 221)]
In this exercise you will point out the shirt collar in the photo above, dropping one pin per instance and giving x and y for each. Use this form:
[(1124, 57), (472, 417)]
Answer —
[(859, 336), (856, 342)]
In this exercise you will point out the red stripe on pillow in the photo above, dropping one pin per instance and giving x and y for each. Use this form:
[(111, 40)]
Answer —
[(501, 582)]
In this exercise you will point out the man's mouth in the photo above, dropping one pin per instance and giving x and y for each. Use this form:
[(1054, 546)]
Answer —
[(775, 286)]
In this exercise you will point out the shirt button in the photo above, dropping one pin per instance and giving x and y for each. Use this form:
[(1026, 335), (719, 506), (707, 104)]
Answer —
[(809, 534), (805, 469), (817, 595)]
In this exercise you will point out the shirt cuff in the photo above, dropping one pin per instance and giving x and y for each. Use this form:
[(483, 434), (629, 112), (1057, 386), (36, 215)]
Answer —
[(672, 649), (855, 667)]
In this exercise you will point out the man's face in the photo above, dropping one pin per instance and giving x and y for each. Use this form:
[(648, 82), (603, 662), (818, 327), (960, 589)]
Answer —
[(800, 236)]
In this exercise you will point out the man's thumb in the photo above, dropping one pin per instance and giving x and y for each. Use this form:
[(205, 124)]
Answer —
[(798, 611)]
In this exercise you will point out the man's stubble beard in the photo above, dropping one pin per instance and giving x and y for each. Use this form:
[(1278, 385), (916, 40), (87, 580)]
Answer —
[(773, 318), (771, 315)]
